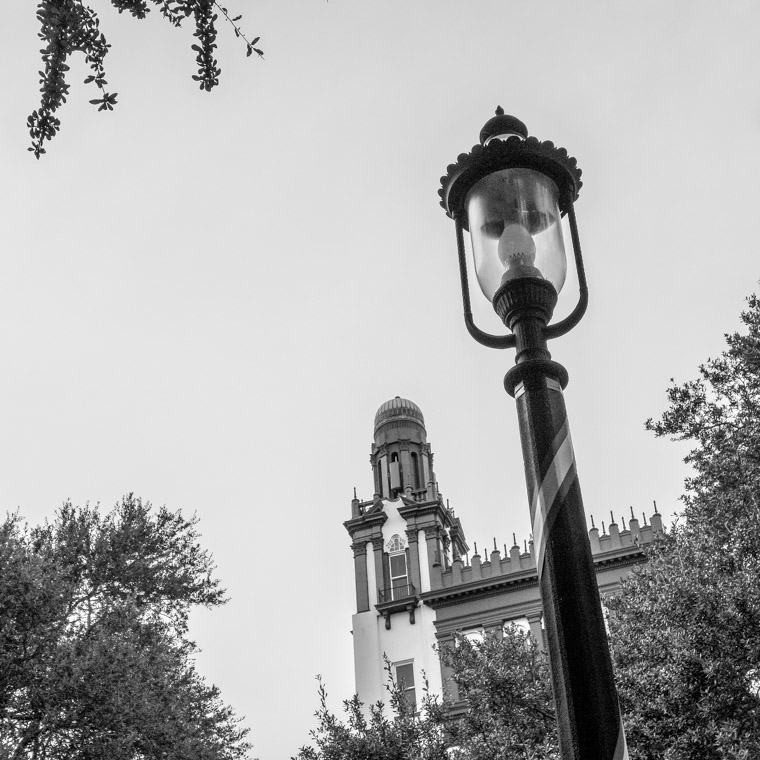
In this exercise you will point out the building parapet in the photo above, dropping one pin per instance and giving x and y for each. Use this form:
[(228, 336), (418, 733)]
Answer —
[(613, 546)]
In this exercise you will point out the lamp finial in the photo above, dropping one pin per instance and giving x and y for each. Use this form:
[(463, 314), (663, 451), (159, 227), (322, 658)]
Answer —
[(503, 126)]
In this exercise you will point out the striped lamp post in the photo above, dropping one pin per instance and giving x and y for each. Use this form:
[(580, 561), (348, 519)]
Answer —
[(510, 192)]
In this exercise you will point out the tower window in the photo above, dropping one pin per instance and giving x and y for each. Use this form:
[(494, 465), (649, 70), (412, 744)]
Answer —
[(397, 481), (405, 683), (415, 471), (399, 576)]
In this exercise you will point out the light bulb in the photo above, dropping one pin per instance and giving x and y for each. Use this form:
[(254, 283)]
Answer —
[(517, 252)]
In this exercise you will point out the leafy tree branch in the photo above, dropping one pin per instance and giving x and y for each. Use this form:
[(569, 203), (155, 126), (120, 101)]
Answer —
[(69, 26)]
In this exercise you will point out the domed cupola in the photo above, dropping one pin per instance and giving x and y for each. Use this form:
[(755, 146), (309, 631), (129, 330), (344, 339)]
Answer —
[(401, 457), (398, 410)]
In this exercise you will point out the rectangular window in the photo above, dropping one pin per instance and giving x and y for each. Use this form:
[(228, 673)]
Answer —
[(405, 683), (396, 484), (399, 577)]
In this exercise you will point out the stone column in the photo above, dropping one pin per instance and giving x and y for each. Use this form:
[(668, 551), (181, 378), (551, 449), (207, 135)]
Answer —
[(414, 559), (360, 572), (435, 561), (377, 550)]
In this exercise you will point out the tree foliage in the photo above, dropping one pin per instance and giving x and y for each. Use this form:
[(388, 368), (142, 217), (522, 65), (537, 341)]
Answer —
[(374, 734), (686, 631), (510, 715), (69, 26), (505, 680), (94, 658)]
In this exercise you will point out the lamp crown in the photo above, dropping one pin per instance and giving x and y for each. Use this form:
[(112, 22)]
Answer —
[(502, 124)]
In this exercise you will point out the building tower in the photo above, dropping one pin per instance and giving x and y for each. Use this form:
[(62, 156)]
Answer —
[(416, 584), (402, 539)]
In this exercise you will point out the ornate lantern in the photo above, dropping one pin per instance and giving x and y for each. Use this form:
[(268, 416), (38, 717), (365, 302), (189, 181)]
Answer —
[(510, 193)]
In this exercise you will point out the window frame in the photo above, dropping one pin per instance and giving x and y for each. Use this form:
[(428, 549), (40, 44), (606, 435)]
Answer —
[(398, 590), (403, 687)]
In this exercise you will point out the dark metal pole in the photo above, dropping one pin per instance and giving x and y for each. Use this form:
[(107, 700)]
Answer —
[(586, 700)]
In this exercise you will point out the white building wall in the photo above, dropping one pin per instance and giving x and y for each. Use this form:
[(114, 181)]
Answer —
[(395, 523), (367, 656), (413, 642), (404, 641)]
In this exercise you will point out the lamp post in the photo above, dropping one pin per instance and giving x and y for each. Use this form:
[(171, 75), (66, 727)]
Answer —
[(510, 193)]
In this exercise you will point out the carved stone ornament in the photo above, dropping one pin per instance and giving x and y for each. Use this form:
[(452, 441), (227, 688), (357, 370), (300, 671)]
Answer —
[(396, 544), (432, 531)]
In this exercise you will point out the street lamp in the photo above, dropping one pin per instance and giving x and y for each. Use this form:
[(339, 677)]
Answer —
[(510, 192)]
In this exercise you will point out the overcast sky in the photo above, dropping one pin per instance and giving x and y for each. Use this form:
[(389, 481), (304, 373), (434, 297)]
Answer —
[(205, 297)]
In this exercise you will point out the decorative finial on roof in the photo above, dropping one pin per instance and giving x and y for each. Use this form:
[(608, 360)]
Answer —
[(655, 507), (505, 550), (604, 530), (644, 515), (499, 111), (475, 544), (525, 544), (354, 491), (514, 540), (593, 527), (622, 519), (612, 518), (633, 517)]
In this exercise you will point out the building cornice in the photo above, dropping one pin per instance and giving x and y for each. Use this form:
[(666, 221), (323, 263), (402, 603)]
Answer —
[(369, 520), (419, 510), (485, 587), (622, 557)]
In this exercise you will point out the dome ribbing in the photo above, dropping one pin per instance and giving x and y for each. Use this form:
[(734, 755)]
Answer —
[(399, 409)]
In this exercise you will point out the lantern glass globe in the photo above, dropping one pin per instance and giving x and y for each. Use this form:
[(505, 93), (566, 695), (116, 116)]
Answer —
[(514, 221)]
